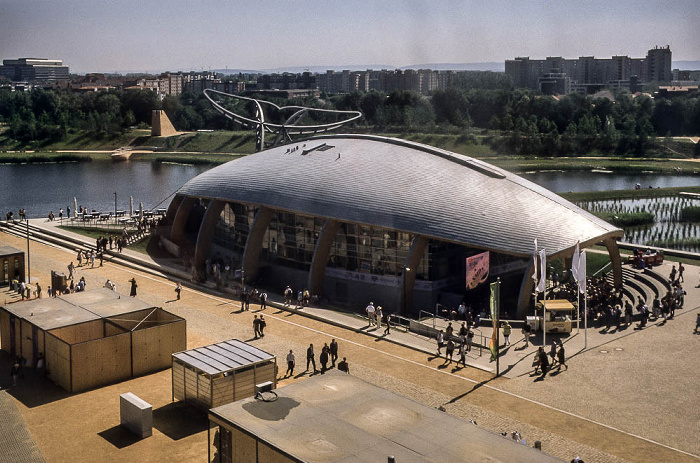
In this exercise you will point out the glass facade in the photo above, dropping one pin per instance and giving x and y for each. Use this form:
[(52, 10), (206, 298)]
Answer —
[(290, 239), (233, 227)]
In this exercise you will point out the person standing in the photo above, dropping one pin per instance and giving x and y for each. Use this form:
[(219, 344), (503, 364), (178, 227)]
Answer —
[(60, 215), (440, 341), (672, 276), (244, 296), (178, 288), (697, 321), (80, 258), (290, 364), (334, 351), (378, 316), (343, 365), (132, 292), (300, 299), (71, 267), (263, 301), (470, 340), (310, 358), (681, 269), (506, 333), (14, 372), (38, 290), (370, 313), (387, 330)]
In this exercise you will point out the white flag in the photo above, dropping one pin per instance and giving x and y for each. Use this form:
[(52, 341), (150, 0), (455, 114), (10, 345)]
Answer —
[(574, 263), (582, 272), (534, 265), (541, 285)]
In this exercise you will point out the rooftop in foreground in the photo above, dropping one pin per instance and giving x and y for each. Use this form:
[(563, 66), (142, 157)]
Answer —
[(339, 418)]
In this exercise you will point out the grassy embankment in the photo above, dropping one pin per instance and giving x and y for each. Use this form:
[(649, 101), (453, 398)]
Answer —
[(94, 233)]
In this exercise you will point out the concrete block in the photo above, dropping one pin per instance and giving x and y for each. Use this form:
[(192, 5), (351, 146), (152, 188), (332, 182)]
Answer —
[(136, 414)]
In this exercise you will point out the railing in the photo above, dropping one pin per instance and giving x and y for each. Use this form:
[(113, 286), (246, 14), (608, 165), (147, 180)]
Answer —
[(400, 322)]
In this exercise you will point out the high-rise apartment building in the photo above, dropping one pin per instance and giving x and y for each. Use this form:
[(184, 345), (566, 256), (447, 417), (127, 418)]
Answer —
[(35, 70), (588, 73)]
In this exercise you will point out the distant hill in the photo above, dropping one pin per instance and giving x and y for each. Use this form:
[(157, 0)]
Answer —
[(487, 66), (686, 65)]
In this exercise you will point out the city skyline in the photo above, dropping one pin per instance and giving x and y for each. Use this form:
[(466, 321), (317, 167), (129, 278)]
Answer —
[(175, 35)]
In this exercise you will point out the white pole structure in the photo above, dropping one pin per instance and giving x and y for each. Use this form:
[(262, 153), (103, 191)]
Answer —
[(582, 275), (75, 207), (131, 206), (575, 273), (542, 286)]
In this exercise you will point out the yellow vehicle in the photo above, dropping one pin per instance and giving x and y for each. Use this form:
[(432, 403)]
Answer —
[(559, 315)]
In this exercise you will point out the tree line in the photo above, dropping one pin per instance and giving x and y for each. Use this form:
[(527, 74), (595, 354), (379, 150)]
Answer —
[(511, 121)]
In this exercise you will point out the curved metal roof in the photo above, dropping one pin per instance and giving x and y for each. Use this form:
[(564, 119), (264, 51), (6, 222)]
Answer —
[(406, 186)]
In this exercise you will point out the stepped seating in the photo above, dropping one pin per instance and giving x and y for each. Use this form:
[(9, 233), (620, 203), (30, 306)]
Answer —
[(646, 284)]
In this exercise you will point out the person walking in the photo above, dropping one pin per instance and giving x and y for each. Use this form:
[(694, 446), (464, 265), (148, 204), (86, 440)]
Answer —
[(462, 354), (178, 288), (544, 362), (387, 330), (290, 364), (263, 324), (310, 358), (343, 366), (71, 267), (697, 322), (132, 292), (256, 326), (334, 351), (672, 276), (38, 290), (561, 356), (440, 341), (288, 296), (449, 350), (263, 301), (553, 351), (323, 358), (681, 269), (526, 333)]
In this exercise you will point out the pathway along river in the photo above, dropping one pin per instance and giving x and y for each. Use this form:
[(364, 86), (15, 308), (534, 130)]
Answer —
[(45, 187)]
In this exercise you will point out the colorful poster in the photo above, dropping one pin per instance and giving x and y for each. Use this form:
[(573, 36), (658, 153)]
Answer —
[(477, 269)]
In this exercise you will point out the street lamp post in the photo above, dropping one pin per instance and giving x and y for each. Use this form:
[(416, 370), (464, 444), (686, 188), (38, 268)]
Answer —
[(115, 207)]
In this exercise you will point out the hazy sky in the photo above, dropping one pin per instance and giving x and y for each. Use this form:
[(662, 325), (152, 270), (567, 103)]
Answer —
[(181, 35)]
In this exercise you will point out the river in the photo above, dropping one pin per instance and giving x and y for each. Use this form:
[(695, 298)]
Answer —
[(576, 181), (44, 187)]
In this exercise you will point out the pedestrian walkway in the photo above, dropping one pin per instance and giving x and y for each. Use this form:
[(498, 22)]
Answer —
[(514, 360), (16, 444)]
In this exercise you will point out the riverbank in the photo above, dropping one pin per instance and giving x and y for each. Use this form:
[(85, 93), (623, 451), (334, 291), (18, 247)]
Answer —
[(628, 194)]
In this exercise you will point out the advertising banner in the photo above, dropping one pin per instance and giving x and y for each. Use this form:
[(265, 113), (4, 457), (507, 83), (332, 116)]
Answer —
[(477, 270)]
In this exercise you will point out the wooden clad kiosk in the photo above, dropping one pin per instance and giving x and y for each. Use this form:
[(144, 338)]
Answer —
[(11, 265), (221, 373), (92, 338)]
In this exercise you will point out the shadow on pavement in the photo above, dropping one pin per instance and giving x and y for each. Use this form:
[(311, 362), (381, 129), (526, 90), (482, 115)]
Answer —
[(179, 420), (119, 436)]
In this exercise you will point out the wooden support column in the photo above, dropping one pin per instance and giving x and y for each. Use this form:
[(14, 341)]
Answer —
[(408, 280), (614, 253), (253, 246), (177, 233), (324, 244), (206, 231)]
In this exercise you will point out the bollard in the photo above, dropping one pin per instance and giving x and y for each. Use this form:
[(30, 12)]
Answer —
[(538, 445)]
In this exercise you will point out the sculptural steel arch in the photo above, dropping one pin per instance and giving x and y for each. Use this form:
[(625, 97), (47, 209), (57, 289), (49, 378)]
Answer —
[(283, 131)]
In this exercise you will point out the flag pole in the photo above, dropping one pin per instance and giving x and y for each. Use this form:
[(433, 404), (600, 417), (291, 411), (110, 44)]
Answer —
[(544, 306)]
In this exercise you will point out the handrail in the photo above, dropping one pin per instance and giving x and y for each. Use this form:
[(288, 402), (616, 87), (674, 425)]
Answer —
[(609, 264)]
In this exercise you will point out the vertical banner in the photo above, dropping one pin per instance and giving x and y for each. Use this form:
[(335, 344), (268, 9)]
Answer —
[(477, 270), (494, 304)]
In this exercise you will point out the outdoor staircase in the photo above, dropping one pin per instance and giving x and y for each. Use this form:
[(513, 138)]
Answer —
[(646, 284)]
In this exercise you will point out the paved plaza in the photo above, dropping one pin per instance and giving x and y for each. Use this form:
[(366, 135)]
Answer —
[(630, 396)]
